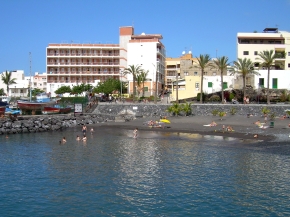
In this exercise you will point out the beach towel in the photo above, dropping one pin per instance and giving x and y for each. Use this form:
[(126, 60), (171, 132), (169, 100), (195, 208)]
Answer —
[(207, 125)]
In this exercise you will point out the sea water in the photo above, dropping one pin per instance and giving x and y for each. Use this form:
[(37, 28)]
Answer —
[(157, 174)]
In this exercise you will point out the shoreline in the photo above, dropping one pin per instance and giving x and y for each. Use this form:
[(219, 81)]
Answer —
[(244, 127)]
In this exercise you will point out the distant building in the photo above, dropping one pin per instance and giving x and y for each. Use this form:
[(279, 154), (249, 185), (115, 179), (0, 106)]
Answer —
[(73, 64), (20, 88), (249, 45)]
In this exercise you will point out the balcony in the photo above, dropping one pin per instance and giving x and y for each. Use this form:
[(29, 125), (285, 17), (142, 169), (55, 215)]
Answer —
[(280, 55)]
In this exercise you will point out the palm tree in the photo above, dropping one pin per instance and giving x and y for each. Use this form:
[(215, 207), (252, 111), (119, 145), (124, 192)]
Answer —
[(203, 62), (6, 78), (267, 59), (134, 71), (244, 67), (222, 64), (143, 76)]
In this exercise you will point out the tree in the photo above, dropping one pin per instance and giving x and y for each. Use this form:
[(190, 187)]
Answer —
[(63, 89), (244, 67), (6, 78), (134, 71), (222, 64), (36, 91), (143, 77), (203, 62), (2, 93), (267, 59), (108, 86)]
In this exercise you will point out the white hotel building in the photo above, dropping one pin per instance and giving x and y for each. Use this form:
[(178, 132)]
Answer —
[(72, 64), (249, 45)]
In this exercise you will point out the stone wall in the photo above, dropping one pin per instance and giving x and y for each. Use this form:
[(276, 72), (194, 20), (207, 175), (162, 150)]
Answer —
[(40, 123), (147, 110), (112, 112)]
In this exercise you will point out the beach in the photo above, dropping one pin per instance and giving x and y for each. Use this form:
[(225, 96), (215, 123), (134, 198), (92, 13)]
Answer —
[(243, 126)]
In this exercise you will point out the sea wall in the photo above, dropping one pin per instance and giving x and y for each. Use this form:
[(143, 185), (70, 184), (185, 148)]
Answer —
[(122, 112), (151, 110), (41, 123)]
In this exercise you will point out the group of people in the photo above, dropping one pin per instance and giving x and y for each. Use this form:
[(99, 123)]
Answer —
[(78, 138)]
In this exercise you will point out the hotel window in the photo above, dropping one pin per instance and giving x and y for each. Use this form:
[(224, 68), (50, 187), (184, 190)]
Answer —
[(209, 84), (261, 82), (255, 52), (196, 85), (185, 73), (246, 52), (288, 53), (195, 73), (288, 65)]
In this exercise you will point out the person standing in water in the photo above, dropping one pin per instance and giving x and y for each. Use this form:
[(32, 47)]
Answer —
[(84, 129), (135, 133)]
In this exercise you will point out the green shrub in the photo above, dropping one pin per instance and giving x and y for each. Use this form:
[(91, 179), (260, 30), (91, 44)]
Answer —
[(215, 112), (233, 110), (232, 95), (175, 109), (187, 108), (221, 114), (198, 97), (215, 98), (272, 116), (265, 110)]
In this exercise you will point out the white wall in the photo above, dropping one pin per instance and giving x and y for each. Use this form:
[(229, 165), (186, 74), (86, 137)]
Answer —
[(216, 83), (283, 77)]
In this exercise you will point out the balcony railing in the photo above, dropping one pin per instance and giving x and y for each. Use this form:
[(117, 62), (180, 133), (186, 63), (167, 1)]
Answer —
[(280, 55)]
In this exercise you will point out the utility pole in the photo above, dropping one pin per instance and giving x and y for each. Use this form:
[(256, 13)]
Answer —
[(156, 80), (176, 84), (30, 88)]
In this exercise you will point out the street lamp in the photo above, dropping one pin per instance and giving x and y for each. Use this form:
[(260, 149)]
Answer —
[(176, 85), (156, 80), (121, 75)]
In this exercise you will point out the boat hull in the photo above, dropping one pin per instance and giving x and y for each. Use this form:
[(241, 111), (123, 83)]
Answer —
[(33, 105), (2, 110), (56, 110)]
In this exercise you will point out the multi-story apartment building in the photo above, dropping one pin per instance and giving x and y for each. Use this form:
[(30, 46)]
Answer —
[(39, 81), (72, 64), (147, 51), (249, 45), (69, 64)]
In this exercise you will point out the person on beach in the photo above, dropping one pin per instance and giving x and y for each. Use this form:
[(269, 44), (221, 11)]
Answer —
[(78, 138), (213, 124), (229, 129), (135, 133), (92, 130), (84, 129), (63, 140), (265, 118)]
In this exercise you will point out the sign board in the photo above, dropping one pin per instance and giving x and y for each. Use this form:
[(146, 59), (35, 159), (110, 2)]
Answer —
[(135, 108), (78, 108)]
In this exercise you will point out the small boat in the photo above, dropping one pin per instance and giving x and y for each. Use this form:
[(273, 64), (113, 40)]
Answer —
[(9, 111), (56, 109), (2, 107), (42, 100)]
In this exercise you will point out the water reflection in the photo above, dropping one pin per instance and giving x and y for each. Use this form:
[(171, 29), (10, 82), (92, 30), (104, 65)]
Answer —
[(159, 174)]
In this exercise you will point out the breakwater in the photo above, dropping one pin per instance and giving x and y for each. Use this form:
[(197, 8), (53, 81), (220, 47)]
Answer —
[(42, 123), (122, 112)]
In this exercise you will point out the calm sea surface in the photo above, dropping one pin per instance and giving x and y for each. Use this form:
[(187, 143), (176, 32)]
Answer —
[(158, 174)]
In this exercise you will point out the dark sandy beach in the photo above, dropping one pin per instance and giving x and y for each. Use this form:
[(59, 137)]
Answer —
[(243, 126)]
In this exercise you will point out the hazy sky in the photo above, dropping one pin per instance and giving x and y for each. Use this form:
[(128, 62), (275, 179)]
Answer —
[(200, 26)]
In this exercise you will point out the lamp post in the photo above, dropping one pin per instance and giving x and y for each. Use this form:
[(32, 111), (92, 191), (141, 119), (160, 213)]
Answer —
[(156, 80), (121, 75), (176, 85), (258, 93)]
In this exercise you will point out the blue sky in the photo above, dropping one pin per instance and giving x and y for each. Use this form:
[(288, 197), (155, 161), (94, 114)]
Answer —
[(202, 26)]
